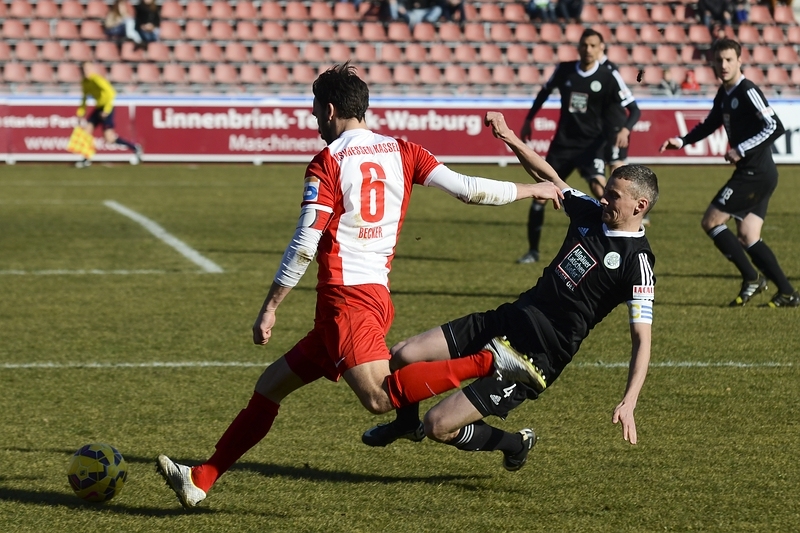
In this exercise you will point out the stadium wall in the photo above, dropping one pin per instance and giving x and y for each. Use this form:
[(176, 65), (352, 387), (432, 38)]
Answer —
[(282, 129)]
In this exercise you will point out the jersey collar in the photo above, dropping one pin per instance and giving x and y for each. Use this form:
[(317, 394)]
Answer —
[(619, 233), (589, 72), (735, 86)]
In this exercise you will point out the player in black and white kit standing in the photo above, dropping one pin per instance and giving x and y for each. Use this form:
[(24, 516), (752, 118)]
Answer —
[(752, 127), (589, 91), (605, 260)]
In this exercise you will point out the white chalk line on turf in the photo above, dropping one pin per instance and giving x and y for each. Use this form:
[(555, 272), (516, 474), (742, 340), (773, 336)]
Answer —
[(160, 233), (244, 364)]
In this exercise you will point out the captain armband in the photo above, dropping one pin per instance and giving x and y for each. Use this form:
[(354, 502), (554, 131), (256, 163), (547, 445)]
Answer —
[(640, 311)]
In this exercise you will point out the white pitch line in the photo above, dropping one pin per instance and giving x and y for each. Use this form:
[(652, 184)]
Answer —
[(184, 249), (77, 272), (242, 364)]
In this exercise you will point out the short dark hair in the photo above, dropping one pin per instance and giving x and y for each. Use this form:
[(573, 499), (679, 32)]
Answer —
[(589, 32), (341, 86), (727, 44), (644, 182)]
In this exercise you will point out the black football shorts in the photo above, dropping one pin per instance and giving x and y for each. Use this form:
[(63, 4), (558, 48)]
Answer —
[(587, 160), (746, 192)]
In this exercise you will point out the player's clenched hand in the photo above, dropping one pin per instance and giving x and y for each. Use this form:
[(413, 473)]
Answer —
[(673, 143), (623, 137), (497, 122), (262, 329), (623, 414), (525, 131), (733, 156)]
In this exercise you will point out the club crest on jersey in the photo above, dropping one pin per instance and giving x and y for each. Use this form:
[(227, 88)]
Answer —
[(596, 86), (734, 102), (611, 260), (311, 189), (644, 292)]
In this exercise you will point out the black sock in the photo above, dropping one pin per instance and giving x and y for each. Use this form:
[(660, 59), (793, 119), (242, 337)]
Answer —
[(732, 249), (407, 416), (765, 260), (535, 223), (128, 144), (481, 437)]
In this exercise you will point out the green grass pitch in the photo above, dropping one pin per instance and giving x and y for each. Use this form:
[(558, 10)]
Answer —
[(83, 285)]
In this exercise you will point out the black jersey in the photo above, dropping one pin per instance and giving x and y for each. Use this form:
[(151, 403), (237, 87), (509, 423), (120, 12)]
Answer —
[(596, 270), (585, 98), (627, 113), (751, 124)]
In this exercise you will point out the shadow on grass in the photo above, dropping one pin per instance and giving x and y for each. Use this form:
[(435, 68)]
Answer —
[(59, 499)]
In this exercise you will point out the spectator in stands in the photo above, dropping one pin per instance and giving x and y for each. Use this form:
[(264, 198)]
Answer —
[(119, 23), (742, 12), (570, 10), (148, 19), (544, 10), (668, 86), (715, 12), (690, 83), (451, 8), (417, 11)]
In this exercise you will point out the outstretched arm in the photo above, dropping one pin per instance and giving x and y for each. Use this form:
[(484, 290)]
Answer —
[(640, 360), (532, 162)]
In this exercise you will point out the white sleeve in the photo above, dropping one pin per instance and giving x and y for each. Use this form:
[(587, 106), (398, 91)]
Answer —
[(301, 250), (470, 189)]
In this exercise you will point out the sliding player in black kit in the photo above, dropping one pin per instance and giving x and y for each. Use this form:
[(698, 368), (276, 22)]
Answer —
[(589, 93), (752, 127)]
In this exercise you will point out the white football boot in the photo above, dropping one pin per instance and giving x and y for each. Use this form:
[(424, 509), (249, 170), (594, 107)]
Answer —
[(179, 478)]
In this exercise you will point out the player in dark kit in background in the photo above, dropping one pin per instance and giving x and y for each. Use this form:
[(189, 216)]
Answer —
[(605, 260), (752, 127), (589, 91)]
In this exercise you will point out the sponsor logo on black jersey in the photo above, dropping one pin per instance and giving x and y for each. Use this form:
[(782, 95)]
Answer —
[(575, 266)]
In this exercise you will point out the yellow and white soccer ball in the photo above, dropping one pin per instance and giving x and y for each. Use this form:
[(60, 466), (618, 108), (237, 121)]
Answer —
[(97, 472)]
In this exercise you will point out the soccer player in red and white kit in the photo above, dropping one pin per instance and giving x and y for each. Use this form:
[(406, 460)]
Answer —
[(355, 198)]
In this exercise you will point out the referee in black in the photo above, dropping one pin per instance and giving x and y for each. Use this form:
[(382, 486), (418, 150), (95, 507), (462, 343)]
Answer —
[(605, 261), (589, 93), (752, 127)]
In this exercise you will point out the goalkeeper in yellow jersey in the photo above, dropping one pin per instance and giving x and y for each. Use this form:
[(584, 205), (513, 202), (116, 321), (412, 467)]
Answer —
[(93, 84)]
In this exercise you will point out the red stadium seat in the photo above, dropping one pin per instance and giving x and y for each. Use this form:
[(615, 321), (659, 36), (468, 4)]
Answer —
[(199, 74), (612, 13), (344, 11), (550, 33), (157, 52), (79, 51), (476, 75), (373, 32), (603, 30), (246, 31), (787, 55), (174, 74), (517, 54), (277, 74), (271, 11), (796, 76), (170, 30), (68, 73), (773, 35), (91, 30), (618, 54), (754, 74), (72, 9), (398, 32), (626, 34), (503, 75), (793, 35), (661, 13), (590, 14), (404, 75), (759, 14), (526, 33), (365, 53), (46, 9), (500, 33), (221, 31), (763, 55), (320, 11), (778, 77), (298, 32), (272, 31), (303, 74), (20, 9), (236, 52), (528, 75), (784, 15), (423, 32), (464, 53), (454, 74), (430, 75), (390, 53), (490, 53), (666, 54), (195, 31), (185, 53), (295, 10), (97, 9), (692, 55), (26, 51), (287, 53), (543, 55), (221, 10), (348, 32), (705, 75), (490, 12), (470, 12), (699, 34), (642, 55), (567, 52), (652, 75), (573, 32), (379, 74), (42, 73), (748, 34), (172, 10), (51, 51), (148, 73), (3, 10), (245, 10), (514, 13), (338, 53), (678, 73), (210, 52), (322, 31), (629, 74), (225, 74), (121, 73), (15, 73), (474, 32), (674, 34), (439, 53), (450, 32), (547, 72), (251, 74), (106, 51), (637, 14), (66, 29), (747, 58), (14, 29)]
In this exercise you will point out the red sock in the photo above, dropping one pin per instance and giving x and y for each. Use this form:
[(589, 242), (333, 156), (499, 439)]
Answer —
[(250, 426), (420, 381)]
